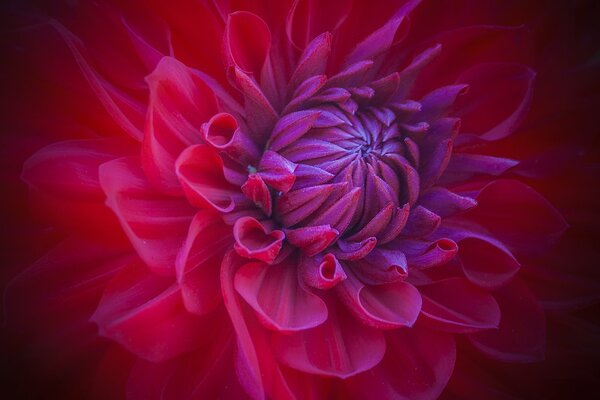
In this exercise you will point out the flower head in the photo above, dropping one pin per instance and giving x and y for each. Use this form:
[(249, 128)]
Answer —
[(321, 214)]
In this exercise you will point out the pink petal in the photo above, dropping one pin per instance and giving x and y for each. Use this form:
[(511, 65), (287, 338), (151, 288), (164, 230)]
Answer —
[(321, 272), (309, 18), (311, 239), (351, 349), (455, 305), (200, 171), (417, 365), (499, 91), (486, 264), (64, 184), (199, 260), (179, 103), (145, 314), (518, 215), (387, 306), (247, 42), (257, 190), (313, 60), (277, 296), (253, 241), (521, 335), (155, 224), (224, 134), (439, 253)]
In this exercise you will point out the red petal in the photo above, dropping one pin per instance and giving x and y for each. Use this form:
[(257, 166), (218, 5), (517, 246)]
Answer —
[(386, 306), (145, 314), (455, 305), (199, 261), (277, 296), (253, 241), (351, 347), (247, 42), (179, 103), (417, 365), (321, 272), (498, 99), (200, 171), (63, 179), (309, 18), (156, 224), (311, 239), (486, 264), (521, 336), (518, 215), (257, 190)]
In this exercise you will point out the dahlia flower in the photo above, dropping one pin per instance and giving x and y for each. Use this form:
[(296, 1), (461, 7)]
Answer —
[(288, 199)]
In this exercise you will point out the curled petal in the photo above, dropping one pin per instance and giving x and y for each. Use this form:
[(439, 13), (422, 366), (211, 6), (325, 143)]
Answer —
[(223, 133), (351, 349), (179, 103), (200, 171), (381, 266), (275, 293), (312, 239), (256, 190), (253, 241), (347, 250), (439, 253), (387, 306), (455, 305), (321, 272)]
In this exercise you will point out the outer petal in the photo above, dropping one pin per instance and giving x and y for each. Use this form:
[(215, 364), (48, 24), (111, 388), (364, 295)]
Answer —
[(145, 314), (63, 179), (518, 215), (155, 224), (521, 335), (308, 18), (247, 42), (278, 297), (455, 305), (417, 365), (386, 306), (485, 263), (179, 103), (351, 347), (498, 99), (199, 261)]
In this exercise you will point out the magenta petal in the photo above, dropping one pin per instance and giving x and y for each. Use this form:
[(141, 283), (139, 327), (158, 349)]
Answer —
[(277, 171), (145, 314), (386, 306), (521, 335), (200, 171), (179, 103), (224, 134), (253, 241), (247, 42), (313, 60), (417, 365), (256, 190), (199, 261), (311, 239), (498, 99), (455, 305), (421, 222), (444, 203), (309, 18), (486, 264), (64, 184), (351, 349), (321, 272), (518, 216), (155, 224), (277, 296), (438, 253)]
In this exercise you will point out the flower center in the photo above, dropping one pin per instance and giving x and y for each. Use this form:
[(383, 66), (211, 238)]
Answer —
[(348, 172)]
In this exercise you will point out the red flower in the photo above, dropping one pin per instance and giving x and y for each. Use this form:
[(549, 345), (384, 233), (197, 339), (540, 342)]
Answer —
[(291, 200)]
